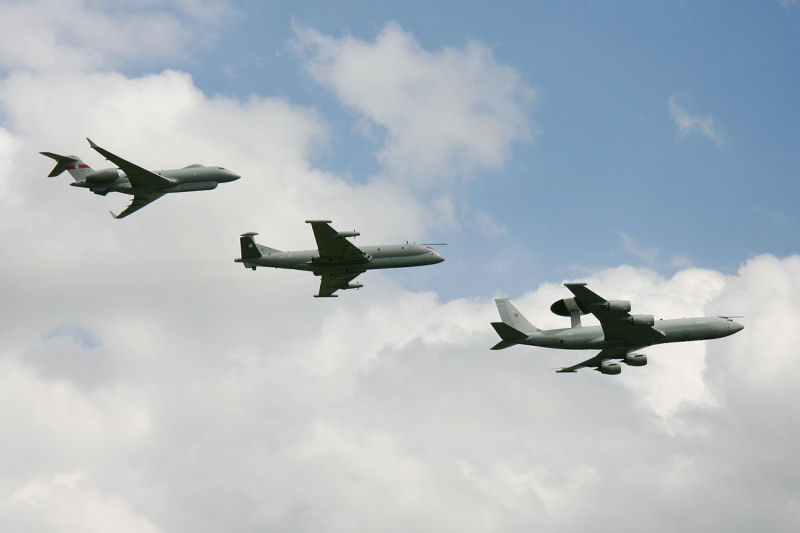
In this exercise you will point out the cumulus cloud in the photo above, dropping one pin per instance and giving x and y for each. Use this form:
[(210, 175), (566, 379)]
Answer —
[(447, 113), (76, 35), (689, 124)]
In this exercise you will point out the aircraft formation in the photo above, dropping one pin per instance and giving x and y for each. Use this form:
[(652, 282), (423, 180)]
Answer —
[(337, 262)]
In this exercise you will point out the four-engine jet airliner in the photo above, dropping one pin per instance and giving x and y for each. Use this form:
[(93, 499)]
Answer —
[(145, 186), (618, 336), (337, 260)]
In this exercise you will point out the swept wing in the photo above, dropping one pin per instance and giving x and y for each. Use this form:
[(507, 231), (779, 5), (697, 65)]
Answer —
[(139, 201), (330, 283), (138, 176), (594, 362), (617, 327), (333, 245)]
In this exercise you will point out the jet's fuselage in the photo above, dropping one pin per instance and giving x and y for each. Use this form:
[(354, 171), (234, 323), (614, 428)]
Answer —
[(191, 178), (673, 330), (374, 257)]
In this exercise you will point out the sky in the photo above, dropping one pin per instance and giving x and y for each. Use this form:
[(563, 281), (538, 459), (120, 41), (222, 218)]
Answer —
[(150, 384)]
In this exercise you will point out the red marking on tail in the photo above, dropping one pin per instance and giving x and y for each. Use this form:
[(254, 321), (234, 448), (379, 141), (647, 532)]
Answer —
[(71, 167), (516, 315), (82, 166)]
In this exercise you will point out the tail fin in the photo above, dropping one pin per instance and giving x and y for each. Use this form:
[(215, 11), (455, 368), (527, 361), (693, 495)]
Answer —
[(77, 168), (251, 249), (511, 316)]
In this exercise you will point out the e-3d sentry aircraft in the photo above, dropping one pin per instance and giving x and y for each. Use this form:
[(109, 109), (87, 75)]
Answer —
[(618, 336), (337, 260), (146, 186)]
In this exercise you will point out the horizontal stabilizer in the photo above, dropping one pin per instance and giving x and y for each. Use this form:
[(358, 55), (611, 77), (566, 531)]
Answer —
[(63, 161), (507, 333), (503, 344)]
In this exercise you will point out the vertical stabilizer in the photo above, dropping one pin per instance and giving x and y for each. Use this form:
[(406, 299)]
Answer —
[(251, 249), (76, 168), (511, 316)]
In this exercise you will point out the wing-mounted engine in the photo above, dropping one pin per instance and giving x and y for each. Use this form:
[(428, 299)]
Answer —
[(609, 367), (616, 307), (570, 307), (641, 320), (107, 175), (635, 359)]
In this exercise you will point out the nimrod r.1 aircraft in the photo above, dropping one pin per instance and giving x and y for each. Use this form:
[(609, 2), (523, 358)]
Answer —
[(146, 186), (337, 261), (618, 336)]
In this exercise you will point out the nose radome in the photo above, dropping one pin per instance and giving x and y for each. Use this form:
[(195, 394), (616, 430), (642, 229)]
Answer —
[(736, 326)]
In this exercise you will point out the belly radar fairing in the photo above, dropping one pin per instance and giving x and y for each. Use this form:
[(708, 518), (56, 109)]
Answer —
[(619, 337), (337, 261), (146, 186)]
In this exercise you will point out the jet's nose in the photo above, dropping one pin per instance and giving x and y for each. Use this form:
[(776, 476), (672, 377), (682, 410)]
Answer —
[(437, 257), (735, 326), (234, 177)]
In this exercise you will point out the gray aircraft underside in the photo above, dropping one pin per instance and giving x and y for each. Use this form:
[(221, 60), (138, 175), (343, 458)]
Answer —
[(618, 336), (336, 260), (146, 186)]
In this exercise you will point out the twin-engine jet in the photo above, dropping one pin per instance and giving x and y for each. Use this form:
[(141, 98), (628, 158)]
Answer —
[(618, 337), (146, 186), (337, 260)]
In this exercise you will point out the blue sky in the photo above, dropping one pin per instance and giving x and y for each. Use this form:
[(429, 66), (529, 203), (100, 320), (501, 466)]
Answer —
[(150, 384), (605, 156)]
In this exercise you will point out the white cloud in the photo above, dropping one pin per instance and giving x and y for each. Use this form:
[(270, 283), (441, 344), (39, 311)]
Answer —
[(689, 124), (651, 255), (447, 113), (75, 35), (66, 502)]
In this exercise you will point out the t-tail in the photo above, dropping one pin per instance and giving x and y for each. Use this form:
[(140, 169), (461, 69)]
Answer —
[(76, 168), (252, 250), (514, 328)]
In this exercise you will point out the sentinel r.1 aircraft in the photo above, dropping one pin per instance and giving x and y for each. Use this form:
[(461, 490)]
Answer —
[(337, 260), (146, 186), (618, 336)]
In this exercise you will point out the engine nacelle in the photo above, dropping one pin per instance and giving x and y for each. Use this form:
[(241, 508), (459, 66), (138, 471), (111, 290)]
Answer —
[(106, 175), (567, 306), (635, 359), (618, 307), (610, 367), (642, 320)]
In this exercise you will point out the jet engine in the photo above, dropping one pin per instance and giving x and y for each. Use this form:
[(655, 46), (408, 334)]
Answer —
[(617, 307), (106, 175), (635, 359), (610, 367), (642, 320)]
